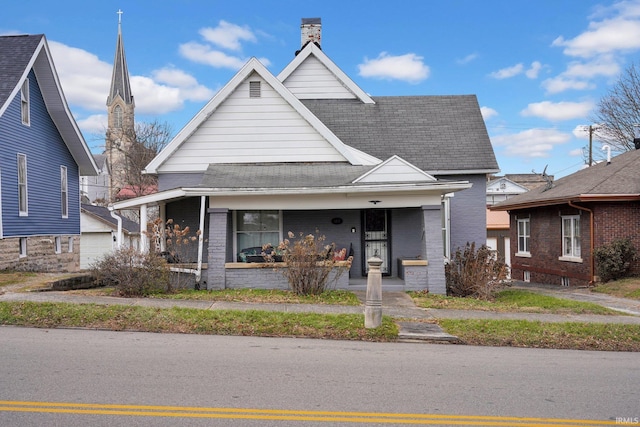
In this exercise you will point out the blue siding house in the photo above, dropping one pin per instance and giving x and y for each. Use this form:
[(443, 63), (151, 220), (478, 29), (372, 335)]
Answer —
[(401, 178), (42, 155)]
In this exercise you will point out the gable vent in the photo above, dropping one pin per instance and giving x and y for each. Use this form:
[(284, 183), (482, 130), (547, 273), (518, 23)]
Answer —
[(254, 89)]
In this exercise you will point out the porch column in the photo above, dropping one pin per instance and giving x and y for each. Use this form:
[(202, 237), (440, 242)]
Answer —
[(217, 248), (433, 248), (144, 236)]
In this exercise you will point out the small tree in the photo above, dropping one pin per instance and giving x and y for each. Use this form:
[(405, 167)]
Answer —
[(180, 246), (614, 260), (309, 262), (472, 273)]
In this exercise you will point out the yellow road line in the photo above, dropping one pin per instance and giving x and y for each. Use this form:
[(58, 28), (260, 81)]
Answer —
[(288, 415)]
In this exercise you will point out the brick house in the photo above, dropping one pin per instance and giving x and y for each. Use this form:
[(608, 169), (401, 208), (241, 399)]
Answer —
[(556, 227)]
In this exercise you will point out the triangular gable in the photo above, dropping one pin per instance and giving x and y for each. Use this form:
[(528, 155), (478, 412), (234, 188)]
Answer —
[(312, 75), (505, 185), (253, 69), (56, 104), (395, 169)]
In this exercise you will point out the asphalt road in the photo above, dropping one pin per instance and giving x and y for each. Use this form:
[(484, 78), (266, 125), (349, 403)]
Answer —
[(102, 378)]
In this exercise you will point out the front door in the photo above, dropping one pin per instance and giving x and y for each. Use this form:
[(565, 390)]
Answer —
[(376, 239)]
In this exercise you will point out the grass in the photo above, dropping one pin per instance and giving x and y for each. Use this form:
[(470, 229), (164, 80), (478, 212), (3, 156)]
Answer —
[(512, 300), (623, 288), (565, 335), (195, 321), (337, 297)]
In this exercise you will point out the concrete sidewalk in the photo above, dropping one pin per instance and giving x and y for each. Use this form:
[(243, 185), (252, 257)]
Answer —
[(415, 323)]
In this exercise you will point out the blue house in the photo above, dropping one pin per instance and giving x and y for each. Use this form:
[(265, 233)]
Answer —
[(397, 177), (42, 155)]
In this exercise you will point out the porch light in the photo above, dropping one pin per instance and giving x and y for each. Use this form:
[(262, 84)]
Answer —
[(353, 229), (375, 202)]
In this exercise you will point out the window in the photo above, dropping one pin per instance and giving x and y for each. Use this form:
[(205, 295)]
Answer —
[(117, 117), (571, 236), (64, 192), (253, 229), (23, 247), (524, 232), (24, 103), (254, 90), (70, 245), (527, 276), (23, 205), (58, 244)]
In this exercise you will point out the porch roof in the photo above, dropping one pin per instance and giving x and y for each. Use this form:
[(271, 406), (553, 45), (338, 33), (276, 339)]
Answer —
[(293, 179)]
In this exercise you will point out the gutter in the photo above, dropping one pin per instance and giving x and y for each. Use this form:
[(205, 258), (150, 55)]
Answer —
[(591, 240), (119, 232)]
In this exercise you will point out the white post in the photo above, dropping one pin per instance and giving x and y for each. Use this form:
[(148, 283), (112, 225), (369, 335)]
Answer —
[(373, 304), (144, 238)]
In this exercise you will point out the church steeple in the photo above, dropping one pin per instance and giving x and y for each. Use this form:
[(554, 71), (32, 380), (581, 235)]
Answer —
[(120, 113), (120, 77)]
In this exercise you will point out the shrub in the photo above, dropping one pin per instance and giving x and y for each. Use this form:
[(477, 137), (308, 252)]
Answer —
[(309, 263), (180, 246), (613, 260), (477, 274), (132, 273)]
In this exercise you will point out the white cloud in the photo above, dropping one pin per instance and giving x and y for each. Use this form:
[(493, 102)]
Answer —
[(576, 152), (604, 65), (85, 80), (534, 70), (228, 36), (536, 143), (409, 67), (611, 35), (488, 112), (204, 54), (560, 84), (94, 124), (467, 59), (506, 73), (558, 111)]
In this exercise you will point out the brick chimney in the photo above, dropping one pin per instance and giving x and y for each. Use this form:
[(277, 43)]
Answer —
[(310, 31)]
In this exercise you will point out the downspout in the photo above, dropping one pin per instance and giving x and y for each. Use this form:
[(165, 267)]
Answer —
[(119, 232), (591, 240), (201, 238)]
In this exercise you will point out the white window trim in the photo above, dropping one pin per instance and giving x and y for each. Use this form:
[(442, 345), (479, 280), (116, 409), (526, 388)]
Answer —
[(446, 218), (22, 242), (24, 212), (25, 103), (235, 228), (58, 244), (572, 257), (519, 252), (70, 244), (64, 192)]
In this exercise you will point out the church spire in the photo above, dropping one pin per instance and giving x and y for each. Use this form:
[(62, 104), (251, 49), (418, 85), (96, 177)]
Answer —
[(120, 85)]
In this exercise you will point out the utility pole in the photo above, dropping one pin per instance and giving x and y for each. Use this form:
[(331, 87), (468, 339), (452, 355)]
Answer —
[(590, 145)]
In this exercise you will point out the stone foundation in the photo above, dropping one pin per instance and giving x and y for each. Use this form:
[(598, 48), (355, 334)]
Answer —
[(41, 254)]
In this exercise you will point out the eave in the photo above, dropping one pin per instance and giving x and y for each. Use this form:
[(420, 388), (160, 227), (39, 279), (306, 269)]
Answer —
[(581, 198)]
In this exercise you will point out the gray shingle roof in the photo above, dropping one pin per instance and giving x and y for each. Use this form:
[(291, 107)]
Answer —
[(438, 134), (104, 215), (15, 54), (619, 178), (278, 175)]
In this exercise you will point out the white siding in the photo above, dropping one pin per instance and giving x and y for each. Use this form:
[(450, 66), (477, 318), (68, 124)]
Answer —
[(395, 170), (248, 130), (94, 246), (312, 80)]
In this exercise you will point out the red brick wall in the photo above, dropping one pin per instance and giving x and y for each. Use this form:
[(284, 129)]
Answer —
[(611, 221), (545, 246)]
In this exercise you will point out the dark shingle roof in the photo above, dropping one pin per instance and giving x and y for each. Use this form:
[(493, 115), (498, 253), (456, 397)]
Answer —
[(103, 214), (438, 134), (15, 54), (619, 178)]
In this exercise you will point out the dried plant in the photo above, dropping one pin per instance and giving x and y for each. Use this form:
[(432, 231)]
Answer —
[(477, 274)]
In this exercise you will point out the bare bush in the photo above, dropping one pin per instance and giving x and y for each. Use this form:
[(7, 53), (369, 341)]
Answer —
[(132, 273), (477, 274), (309, 263)]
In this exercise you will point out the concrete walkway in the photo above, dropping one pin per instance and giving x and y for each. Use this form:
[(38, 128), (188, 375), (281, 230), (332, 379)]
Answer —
[(415, 323)]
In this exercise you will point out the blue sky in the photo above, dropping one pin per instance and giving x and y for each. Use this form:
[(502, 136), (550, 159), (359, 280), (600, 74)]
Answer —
[(538, 67)]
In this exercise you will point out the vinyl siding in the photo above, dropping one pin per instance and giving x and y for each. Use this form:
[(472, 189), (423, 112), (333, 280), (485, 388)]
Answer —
[(247, 130), (312, 80), (46, 152)]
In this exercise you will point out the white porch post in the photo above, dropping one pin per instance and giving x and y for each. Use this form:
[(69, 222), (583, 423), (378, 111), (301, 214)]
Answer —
[(163, 223), (144, 238)]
